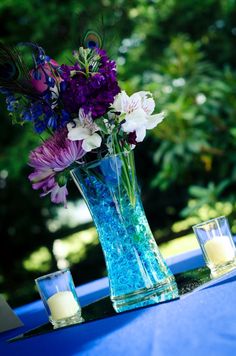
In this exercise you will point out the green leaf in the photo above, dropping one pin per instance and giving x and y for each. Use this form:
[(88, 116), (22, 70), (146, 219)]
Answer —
[(101, 124)]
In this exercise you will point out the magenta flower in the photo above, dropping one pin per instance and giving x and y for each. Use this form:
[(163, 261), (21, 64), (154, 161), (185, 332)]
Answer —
[(41, 72), (50, 160)]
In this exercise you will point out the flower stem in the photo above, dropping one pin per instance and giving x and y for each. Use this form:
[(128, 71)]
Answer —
[(127, 167)]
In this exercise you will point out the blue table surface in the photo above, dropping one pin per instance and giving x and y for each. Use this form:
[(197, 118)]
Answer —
[(203, 323)]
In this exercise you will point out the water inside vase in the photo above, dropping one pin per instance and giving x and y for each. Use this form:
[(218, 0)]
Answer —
[(138, 275)]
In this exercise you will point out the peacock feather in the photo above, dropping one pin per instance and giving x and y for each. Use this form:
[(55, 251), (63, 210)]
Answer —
[(14, 72), (92, 39)]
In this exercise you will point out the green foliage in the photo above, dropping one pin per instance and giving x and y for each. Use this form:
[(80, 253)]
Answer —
[(183, 52)]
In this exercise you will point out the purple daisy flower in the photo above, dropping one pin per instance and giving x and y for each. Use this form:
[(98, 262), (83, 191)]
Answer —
[(52, 158)]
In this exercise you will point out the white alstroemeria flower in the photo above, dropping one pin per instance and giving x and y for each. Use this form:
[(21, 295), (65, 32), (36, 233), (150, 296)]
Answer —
[(137, 111), (84, 128)]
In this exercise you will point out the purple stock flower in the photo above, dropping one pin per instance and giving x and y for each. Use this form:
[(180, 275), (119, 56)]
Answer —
[(93, 93), (51, 159)]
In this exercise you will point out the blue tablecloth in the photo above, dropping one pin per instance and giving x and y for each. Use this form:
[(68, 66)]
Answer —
[(203, 323)]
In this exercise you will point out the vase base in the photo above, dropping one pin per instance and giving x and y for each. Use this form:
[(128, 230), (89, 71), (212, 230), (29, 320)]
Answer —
[(74, 319), (217, 271), (160, 292)]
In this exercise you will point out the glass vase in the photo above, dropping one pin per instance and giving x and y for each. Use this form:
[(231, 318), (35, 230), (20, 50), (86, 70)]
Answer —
[(138, 275)]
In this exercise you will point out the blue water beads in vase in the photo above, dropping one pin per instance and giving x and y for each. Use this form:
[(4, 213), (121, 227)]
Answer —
[(138, 274)]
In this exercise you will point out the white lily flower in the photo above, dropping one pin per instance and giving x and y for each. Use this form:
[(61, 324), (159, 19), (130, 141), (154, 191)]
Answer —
[(138, 109), (84, 128)]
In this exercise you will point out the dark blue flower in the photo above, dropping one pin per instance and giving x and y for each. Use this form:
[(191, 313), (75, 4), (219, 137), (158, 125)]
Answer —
[(52, 122), (50, 81), (36, 110), (12, 103), (65, 118), (40, 126), (26, 116)]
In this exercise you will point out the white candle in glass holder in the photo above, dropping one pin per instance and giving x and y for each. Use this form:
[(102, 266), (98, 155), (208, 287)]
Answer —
[(62, 305), (219, 250)]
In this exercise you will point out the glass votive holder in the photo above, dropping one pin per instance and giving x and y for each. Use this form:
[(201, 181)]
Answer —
[(58, 294), (217, 245)]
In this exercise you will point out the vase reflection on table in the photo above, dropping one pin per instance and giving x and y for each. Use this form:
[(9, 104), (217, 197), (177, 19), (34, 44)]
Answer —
[(138, 275)]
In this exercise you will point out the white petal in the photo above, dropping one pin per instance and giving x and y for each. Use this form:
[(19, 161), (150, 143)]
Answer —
[(135, 102), (71, 125), (78, 133), (148, 105), (121, 102), (82, 116), (154, 120), (94, 127), (92, 142), (85, 119), (134, 120), (144, 94), (140, 134)]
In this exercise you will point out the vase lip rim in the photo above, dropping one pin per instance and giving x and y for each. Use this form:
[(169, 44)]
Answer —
[(53, 274), (84, 164), (203, 223)]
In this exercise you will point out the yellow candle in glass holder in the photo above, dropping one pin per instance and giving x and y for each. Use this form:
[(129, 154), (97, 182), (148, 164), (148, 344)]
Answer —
[(62, 305), (219, 250)]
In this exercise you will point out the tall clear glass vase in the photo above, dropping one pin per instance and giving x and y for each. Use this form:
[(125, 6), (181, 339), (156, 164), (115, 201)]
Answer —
[(138, 274)]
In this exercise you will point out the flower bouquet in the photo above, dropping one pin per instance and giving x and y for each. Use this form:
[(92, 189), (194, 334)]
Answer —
[(89, 129)]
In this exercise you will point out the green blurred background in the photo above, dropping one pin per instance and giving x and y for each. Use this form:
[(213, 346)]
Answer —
[(184, 53)]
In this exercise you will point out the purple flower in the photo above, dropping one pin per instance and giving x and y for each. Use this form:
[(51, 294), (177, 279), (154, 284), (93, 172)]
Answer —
[(50, 160), (93, 93), (44, 75), (58, 194), (132, 138)]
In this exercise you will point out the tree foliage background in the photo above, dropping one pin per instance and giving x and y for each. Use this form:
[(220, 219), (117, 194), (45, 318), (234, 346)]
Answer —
[(182, 51)]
